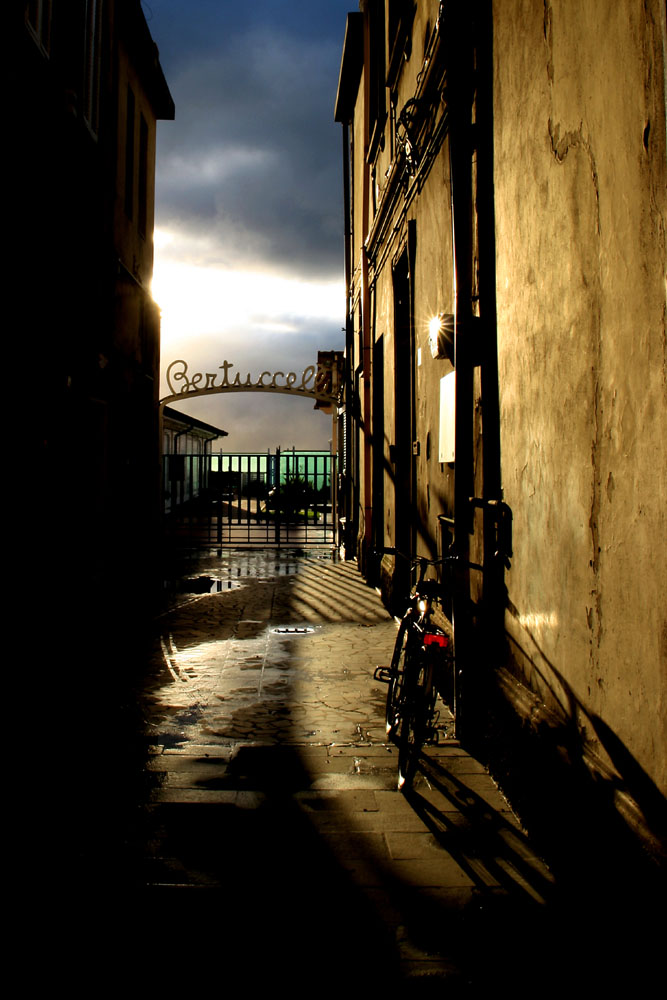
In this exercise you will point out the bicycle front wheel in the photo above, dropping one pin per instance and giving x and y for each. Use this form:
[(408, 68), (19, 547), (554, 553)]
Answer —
[(414, 715)]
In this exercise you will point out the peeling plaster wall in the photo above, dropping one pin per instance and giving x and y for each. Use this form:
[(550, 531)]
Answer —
[(580, 180)]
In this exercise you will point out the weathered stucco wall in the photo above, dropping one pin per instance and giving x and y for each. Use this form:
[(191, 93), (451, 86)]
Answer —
[(580, 180)]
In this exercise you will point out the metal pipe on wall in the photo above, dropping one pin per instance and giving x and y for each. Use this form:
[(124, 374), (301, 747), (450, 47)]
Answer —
[(460, 69), (367, 536)]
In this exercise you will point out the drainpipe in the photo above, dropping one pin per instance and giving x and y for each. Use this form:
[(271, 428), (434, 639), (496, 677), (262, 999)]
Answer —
[(346, 501), (347, 228), (497, 517), (460, 70), (365, 304)]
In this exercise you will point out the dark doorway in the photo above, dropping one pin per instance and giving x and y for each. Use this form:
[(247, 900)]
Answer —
[(379, 500), (404, 422)]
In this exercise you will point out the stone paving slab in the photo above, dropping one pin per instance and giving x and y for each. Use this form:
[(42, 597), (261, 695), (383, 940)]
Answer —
[(370, 821), (355, 846), (403, 846)]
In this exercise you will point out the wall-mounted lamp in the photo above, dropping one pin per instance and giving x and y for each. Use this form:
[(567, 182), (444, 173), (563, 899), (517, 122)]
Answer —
[(441, 336)]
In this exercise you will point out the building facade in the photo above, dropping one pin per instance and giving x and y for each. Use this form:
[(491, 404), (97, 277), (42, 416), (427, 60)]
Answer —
[(505, 214), (187, 445), (87, 92)]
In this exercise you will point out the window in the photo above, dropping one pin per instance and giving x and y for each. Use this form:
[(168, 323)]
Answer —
[(400, 17), (377, 92)]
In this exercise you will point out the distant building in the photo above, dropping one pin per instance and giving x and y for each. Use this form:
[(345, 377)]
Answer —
[(87, 91), (505, 220), (185, 435), (186, 453)]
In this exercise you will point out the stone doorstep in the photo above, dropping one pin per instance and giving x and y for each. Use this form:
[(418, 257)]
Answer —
[(332, 770), (199, 779), (325, 756), (346, 781), (369, 750)]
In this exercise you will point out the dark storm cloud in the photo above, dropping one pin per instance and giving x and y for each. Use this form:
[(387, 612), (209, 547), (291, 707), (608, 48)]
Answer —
[(252, 163)]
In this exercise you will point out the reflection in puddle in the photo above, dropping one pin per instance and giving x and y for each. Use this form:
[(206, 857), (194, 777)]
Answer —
[(214, 571), (207, 585)]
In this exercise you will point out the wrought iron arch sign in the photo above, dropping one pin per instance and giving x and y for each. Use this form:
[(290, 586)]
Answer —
[(319, 382)]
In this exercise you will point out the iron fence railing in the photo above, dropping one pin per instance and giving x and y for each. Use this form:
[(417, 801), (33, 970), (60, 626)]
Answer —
[(248, 499)]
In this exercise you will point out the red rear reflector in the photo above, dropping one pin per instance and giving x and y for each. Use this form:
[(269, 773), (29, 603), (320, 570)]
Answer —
[(433, 639)]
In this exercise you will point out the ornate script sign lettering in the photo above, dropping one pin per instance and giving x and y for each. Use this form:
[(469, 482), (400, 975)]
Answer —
[(316, 382)]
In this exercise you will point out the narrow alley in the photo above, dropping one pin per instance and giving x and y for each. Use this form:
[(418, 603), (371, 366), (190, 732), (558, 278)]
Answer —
[(373, 279), (274, 847)]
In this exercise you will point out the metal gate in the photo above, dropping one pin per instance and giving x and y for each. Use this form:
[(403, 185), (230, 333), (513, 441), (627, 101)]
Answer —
[(233, 499)]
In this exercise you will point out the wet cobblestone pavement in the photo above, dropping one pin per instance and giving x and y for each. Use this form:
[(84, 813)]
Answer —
[(265, 845)]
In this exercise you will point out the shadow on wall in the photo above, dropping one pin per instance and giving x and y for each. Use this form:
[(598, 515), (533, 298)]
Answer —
[(559, 784), (393, 584)]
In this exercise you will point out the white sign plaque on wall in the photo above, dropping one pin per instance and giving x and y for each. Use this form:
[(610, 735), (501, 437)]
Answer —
[(446, 449)]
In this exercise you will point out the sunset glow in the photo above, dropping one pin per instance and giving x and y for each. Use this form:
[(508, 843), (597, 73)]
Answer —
[(198, 300)]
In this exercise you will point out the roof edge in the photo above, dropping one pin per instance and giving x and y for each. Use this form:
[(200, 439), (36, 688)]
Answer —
[(351, 65)]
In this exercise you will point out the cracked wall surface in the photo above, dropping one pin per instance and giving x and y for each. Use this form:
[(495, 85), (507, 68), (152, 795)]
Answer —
[(580, 181)]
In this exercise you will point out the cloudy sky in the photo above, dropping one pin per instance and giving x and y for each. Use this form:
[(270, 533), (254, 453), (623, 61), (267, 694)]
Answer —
[(249, 218)]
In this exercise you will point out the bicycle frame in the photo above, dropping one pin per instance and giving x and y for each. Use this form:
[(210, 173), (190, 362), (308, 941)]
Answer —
[(417, 673)]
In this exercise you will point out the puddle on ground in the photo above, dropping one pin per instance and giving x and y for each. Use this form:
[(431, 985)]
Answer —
[(293, 630), (215, 571)]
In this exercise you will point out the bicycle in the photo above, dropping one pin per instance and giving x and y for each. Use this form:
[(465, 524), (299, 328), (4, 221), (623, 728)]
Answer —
[(422, 667)]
